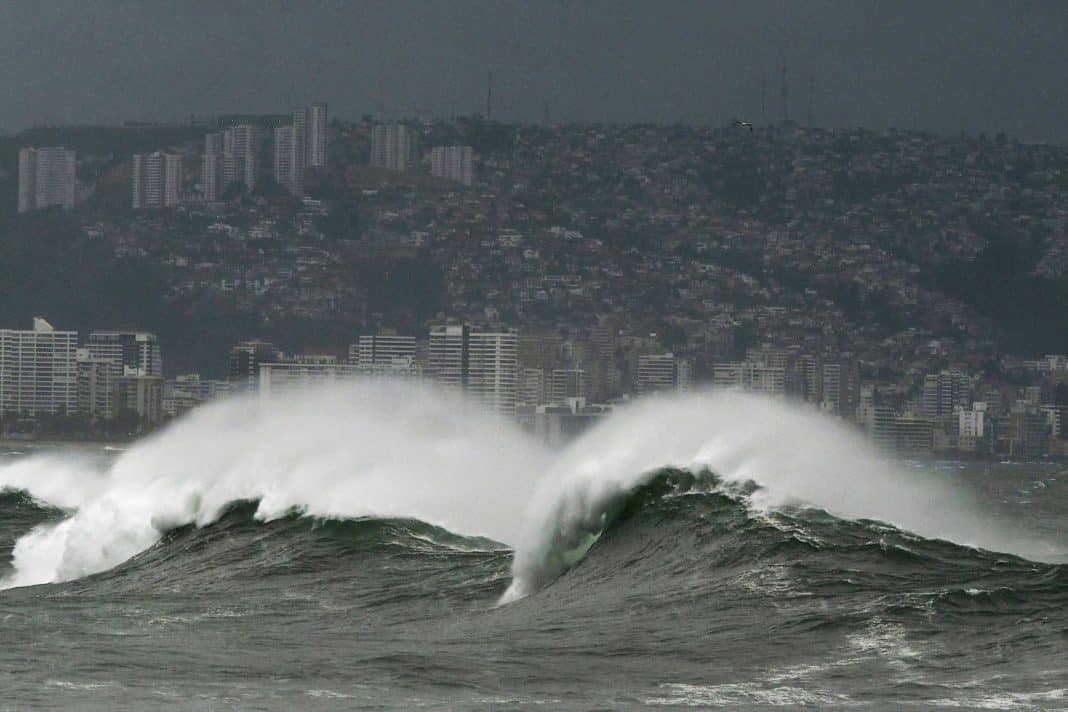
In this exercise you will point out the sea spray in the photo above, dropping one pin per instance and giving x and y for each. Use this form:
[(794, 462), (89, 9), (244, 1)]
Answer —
[(390, 449), (375, 448), (794, 454)]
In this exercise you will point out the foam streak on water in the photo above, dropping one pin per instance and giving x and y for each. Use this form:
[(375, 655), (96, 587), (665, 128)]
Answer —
[(396, 450)]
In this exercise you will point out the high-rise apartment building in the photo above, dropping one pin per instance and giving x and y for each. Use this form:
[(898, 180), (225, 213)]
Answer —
[(315, 142), (568, 383), (943, 392), (840, 384), (453, 162), (748, 376), (385, 354), (391, 147), (493, 371), (46, 178), (382, 349), (132, 353), (38, 371), (245, 360), (663, 372), (289, 159), (448, 356), (483, 365), (156, 180), (240, 157)]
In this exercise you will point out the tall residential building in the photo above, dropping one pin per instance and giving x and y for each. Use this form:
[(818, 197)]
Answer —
[(156, 180), (493, 371), (748, 376), (38, 371), (46, 178), (282, 377), (840, 384), (382, 349), (943, 392), (385, 354), (241, 156), (316, 136), (663, 372), (289, 159), (568, 383), (97, 387), (391, 147), (245, 360), (185, 392), (132, 353), (483, 365), (448, 356), (453, 162)]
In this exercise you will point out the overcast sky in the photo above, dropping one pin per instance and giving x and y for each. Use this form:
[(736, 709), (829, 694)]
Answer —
[(944, 66)]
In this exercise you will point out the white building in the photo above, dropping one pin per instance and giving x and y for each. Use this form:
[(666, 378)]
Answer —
[(382, 349), (240, 157), (131, 353), (38, 371), (46, 178), (315, 143), (453, 162), (289, 159), (283, 377), (493, 370), (663, 372), (156, 180), (448, 356), (391, 147), (747, 376), (185, 392)]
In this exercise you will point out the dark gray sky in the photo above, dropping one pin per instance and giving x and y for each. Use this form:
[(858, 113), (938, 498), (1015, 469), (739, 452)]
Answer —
[(941, 65)]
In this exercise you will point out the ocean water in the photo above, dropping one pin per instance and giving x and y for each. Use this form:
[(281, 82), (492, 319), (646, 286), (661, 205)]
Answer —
[(326, 551)]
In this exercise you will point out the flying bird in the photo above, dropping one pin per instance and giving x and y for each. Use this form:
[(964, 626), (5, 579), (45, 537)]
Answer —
[(746, 124)]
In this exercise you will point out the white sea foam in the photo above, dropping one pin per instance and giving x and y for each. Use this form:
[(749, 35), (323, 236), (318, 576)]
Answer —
[(795, 454), (397, 450), (372, 449)]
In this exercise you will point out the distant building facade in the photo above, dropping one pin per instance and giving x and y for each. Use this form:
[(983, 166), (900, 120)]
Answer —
[(46, 178), (38, 371), (156, 180), (391, 147), (453, 162)]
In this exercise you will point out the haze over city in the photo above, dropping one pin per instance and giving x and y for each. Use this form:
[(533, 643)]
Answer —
[(945, 66)]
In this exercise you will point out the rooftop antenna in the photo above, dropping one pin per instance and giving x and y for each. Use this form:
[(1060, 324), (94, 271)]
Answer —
[(489, 96), (811, 91), (763, 97), (784, 92)]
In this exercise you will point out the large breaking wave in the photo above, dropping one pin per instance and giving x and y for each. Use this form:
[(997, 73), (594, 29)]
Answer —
[(397, 451)]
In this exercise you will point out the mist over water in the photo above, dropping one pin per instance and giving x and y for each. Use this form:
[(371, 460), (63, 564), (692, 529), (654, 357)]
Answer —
[(394, 450)]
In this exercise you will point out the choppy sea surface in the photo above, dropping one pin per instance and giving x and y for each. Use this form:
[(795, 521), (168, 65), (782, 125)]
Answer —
[(138, 579)]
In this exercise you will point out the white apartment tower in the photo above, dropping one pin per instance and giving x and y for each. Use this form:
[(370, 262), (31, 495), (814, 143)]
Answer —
[(131, 353), (453, 162), (448, 356), (46, 178), (382, 349), (240, 156), (663, 372), (38, 371), (156, 180), (391, 147), (493, 371), (316, 136), (289, 159)]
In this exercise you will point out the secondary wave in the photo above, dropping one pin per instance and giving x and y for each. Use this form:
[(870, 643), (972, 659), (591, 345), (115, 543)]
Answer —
[(392, 450)]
